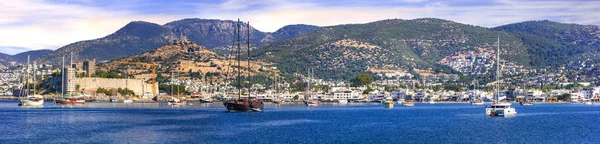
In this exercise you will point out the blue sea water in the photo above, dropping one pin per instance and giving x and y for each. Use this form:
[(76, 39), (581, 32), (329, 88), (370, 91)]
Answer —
[(294, 123)]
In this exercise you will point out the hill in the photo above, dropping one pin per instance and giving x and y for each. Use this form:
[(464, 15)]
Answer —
[(552, 43), (138, 36), (5, 59), (191, 60), (341, 52)]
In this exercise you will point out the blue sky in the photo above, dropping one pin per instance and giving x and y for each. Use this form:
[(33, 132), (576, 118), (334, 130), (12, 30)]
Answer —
[(51, 24)]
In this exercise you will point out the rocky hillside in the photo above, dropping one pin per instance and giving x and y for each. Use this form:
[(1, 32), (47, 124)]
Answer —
[(182, 56), (137, 37), (341, 52)]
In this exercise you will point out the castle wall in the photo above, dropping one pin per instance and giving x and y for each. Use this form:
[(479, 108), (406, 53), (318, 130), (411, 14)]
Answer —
[(137, 85)]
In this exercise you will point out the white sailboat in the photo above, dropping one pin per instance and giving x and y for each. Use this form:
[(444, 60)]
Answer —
[(499, 109), (30, 99)]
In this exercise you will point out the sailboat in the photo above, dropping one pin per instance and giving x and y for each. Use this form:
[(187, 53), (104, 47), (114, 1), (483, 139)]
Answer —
[(246, 104), (475, 100), (30, 99), (173, 100), (525, 102), (499, 109), (308, 101), (69, 99)]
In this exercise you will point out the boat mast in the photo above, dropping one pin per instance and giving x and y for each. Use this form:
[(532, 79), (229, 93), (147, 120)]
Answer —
[(249, 85), (498, 72), (62, 74), (27, 78), (238, 58), (33, 72)]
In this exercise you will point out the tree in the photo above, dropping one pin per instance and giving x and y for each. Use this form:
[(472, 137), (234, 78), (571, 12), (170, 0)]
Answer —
[(362, 79), (296, 97), (368, 90)]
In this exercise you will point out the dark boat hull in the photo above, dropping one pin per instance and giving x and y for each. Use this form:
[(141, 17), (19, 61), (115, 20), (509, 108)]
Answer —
[(235, 105), (70, 101)]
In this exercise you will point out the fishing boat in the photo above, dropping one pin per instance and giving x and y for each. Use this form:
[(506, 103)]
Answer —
[(29, 99), (389, 102), (499, 109), (246, 104)]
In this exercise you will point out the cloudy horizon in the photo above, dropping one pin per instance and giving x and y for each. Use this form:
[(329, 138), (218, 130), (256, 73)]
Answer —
[(50, 24)]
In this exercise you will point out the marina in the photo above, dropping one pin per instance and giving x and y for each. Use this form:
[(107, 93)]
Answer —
[(295, 123)]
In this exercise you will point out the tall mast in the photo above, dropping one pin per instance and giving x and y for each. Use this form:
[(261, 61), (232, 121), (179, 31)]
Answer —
[(62, 73), (238, 59), (33, 72), (172, 83), (249, 85), (498, 72), (27, 78)]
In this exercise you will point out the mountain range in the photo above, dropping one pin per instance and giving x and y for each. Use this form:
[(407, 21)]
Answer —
[(342, 51), (6, 59), (140, 36)]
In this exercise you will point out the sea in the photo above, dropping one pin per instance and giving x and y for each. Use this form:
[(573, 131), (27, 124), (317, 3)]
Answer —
[(295, 123)]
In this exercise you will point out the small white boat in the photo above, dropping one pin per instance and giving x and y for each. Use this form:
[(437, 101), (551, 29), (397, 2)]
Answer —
[(175, 101), (408, 104), (587, 102), (526, 103), (311, 103), (128, 101), (500, 110), (32, 100), (342, 101), (477, 102), (431, 102)]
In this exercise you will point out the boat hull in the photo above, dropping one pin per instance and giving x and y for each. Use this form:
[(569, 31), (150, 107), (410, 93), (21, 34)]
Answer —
[(388, 105), (252, 105), (70, 101), (31, 102)]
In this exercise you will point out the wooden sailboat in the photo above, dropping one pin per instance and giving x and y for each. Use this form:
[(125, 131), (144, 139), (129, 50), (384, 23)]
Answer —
[(29, 99), (308, 101), (249, 103), (68, 99), (175, 101)]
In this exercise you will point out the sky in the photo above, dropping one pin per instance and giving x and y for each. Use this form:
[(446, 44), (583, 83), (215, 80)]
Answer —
[(50, 24)]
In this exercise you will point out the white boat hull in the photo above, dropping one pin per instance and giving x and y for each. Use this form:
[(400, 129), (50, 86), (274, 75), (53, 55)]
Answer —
[(128, 101), (504, 111), (31, 103)]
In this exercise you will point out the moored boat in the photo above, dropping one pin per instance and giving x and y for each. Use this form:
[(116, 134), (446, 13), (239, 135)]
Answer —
[(70, 101), (243, 105), (408, 103), (310, 103), (500, 110), (32, 100)]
